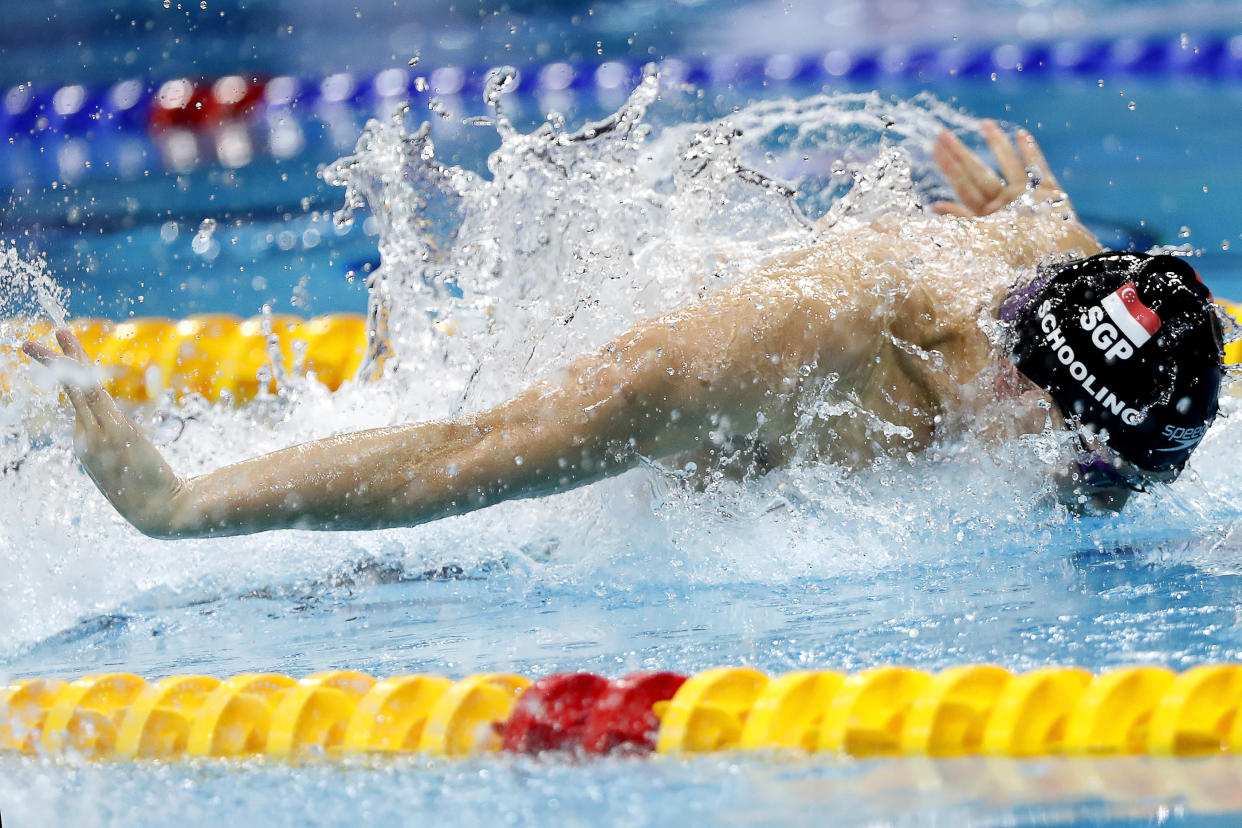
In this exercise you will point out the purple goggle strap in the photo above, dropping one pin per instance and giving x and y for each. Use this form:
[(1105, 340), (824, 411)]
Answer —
[(1098, 472), (1021, 297)]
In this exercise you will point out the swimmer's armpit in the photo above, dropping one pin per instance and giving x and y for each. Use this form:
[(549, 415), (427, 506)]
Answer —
[(979, 189)]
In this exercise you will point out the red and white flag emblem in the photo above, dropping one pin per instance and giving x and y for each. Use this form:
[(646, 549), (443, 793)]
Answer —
[(1137, 321)]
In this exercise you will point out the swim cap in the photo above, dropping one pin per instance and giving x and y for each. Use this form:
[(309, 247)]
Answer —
[(1128, 345)]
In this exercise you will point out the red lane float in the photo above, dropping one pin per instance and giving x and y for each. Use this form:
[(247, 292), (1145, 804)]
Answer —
[(182, 103)]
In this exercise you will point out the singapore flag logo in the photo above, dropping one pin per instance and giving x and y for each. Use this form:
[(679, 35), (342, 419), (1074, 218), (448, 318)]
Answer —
[(1134, 319)]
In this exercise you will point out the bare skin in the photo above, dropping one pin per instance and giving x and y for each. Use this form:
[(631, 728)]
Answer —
[(738, 363)]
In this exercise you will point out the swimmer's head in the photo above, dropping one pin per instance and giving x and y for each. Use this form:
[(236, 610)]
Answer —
[(1129, 347)]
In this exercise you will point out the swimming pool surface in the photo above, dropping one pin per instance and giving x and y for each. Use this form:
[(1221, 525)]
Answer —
[(945, 562)]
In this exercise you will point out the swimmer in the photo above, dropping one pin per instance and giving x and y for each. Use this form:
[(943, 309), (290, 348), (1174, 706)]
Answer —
[(890, 319)]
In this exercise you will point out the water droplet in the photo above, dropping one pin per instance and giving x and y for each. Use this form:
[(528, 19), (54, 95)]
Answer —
[(1184, 232), (1131, 106)]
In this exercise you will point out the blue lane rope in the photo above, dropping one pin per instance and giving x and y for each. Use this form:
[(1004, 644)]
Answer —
[(137, 127), (75, 109)]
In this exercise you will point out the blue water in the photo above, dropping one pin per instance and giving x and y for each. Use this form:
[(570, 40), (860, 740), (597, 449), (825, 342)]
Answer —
[(1149, 174), (934, 568)]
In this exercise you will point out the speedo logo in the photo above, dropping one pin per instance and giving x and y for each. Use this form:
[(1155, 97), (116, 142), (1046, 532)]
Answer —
[(1129, 414), (1182, 438)]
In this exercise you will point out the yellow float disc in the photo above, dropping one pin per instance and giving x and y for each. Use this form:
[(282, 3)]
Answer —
[(866, 716), (241, 357), (1197, 711), (23, 707), (92, 333), (788, 710), (1030, 715), (708, 710), (206, 343), (311, 717), (1113, 713), (139, 357), (84, 715), (157, 724), (462, 720), (238, 360), (234, 718), (949, 715), (392, 715), (336, 344)]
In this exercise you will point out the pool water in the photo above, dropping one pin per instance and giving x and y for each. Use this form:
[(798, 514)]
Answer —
[(950, 561)]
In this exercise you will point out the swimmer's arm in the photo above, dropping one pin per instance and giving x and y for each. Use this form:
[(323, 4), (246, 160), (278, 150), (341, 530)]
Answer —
[(659, 389)]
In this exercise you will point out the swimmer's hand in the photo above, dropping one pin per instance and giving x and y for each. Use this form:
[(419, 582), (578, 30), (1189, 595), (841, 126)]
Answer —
[(980, 190), (124, 464)]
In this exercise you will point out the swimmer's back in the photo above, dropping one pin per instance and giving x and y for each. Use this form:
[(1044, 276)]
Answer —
[(916, 297)]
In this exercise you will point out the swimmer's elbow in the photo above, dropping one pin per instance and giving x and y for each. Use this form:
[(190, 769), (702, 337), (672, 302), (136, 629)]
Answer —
[(159, 529), (169, 518)]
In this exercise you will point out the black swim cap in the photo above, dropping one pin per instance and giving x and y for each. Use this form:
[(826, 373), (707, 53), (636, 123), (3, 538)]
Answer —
[(1126, 344)]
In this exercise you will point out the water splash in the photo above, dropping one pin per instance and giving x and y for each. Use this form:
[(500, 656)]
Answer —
[(24, 284), (490, 280)]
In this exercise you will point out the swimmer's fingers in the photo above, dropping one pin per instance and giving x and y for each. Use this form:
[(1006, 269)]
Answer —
[(975, 184), (64, 367), (948, 154), (39, 353), (102, 407), (1011, 167), (1036, 164)]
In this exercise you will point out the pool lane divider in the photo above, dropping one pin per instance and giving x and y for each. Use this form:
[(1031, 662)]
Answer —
[(76, 131), (205, 104), (881, 712), (223, 357), (217, 356)]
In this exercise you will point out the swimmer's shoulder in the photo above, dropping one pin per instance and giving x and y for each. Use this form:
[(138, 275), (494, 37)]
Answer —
[(1023, 236)]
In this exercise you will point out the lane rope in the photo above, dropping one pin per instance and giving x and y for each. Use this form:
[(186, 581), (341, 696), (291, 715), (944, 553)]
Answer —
[(218, 356), (885, 711), (235, 117)]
